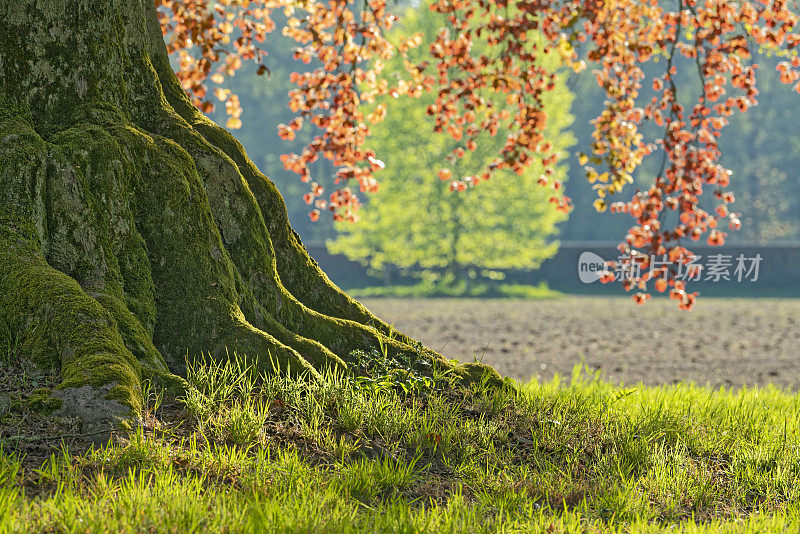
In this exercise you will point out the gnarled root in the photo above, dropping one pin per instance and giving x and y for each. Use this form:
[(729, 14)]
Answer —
[(159, 250), (58, 324), (135, 233)]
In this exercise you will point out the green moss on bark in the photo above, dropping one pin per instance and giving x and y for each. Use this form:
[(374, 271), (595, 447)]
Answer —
[(42, 401), (298, 273), (135, 233), (58, 324)]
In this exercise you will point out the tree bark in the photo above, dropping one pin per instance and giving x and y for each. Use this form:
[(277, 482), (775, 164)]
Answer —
[(134, 232)]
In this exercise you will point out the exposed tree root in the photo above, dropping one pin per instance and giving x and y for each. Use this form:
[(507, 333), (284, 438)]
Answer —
[(135, 233)]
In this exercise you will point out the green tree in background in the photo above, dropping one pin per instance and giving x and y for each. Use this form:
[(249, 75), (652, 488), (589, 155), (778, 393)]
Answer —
[(416, 223)]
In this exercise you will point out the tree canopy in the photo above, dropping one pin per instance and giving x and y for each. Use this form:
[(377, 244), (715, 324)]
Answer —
[(618, 39)]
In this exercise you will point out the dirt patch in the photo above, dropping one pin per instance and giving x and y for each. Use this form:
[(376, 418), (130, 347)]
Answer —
[(722, 342), (27, 426)]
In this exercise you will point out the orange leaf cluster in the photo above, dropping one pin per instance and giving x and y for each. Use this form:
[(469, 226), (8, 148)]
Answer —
[(345, 47)]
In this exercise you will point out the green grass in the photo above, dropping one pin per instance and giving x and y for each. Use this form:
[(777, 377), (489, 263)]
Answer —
[(459, 289), (9, 343), (284, 455)]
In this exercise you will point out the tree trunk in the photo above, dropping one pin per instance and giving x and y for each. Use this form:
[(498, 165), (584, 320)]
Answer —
[(134, 232)]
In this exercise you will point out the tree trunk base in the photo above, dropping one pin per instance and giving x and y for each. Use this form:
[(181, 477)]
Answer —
[(135, 234)]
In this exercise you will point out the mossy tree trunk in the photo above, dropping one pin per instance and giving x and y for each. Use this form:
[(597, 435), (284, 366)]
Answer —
[(134, 232)]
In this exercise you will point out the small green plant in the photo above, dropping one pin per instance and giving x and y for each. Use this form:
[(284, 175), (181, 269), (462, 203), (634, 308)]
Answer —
[(196, 403), (243, 422), (376, 370), (221, 380), (152, 399), (366, 480), (9, 467)]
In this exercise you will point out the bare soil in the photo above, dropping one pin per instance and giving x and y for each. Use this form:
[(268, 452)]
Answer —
[(722, 342)]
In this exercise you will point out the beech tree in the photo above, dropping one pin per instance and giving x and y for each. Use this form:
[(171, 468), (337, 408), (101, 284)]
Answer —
[(135, 233)]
